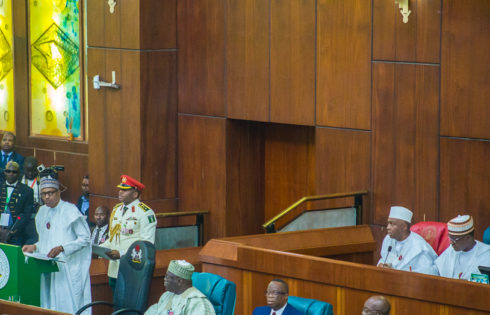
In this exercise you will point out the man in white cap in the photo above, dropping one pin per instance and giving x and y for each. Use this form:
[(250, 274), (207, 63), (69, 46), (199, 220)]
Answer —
[(404, 250), (64, 233), (181, 297), (462, 259)]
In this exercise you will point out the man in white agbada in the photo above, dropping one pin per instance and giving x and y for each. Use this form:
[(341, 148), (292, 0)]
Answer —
[(403, 249), (465, 254), (64, 233), (181, 297)]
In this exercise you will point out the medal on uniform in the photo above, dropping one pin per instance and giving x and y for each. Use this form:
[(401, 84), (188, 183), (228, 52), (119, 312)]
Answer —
[(400, 258), (48, 225)]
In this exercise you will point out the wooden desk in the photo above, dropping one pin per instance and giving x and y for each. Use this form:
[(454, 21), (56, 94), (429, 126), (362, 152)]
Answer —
[(345, 285), (12, 308)]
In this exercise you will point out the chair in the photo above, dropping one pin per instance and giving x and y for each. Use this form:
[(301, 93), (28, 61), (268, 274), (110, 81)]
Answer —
[(133, 280), (220, 292), (310, 306), (435, 233), (486, 236)]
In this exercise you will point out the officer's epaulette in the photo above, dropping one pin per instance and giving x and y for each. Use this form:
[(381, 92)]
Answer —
[(117, 206), (143, 206)]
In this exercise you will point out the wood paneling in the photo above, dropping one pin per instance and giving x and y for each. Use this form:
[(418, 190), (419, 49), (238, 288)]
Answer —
[(417, 41), (405, 146), (465, 77), (45, 157), (346, 284), (201, 57), (133, 130), (76, 167), (343, 163), (344, 64), (202, 170), (465, 181), (292, 62), (15, 308), (25, 152), (289, 166), (247, 59), (133, 24), (244, 177)]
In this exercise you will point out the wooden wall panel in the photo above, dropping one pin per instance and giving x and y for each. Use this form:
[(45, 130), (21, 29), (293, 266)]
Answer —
[(244, 177), (201, 57), (289, 166), (405, 146), (344, 64), (159, 124), (202, 170), (133, 24), (76, 167), (417, 41), (45, 157), (465, 77), (465, 181), (114, 119), (343, 162), (247, 59), (292, 62)]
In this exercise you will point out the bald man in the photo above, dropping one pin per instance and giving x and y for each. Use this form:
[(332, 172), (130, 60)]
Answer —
[(376, 305)]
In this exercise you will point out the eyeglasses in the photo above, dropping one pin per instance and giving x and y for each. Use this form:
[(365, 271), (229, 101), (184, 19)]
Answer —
[(48, 193), (454, 240), (274, 293), (11, 172)]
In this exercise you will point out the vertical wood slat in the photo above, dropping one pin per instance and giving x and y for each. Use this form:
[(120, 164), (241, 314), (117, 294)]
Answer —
[(465, 70), (292, 62), (405, 149), (415, 41), (344, 64), (247, 59), (201, 57)]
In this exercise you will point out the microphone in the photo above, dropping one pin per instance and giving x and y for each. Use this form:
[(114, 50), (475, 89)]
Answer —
[(13, 225), (389, 250)]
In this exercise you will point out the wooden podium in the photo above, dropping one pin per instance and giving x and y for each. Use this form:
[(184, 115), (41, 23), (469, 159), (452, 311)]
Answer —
[(20, 278)]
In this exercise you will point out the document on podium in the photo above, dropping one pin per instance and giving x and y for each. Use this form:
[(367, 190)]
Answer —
[(43, 257), (101, 251)]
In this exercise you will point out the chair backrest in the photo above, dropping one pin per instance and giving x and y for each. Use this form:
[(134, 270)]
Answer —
[(310, 306), (220, 292), (486, 236), (134, 277), (435, 233)]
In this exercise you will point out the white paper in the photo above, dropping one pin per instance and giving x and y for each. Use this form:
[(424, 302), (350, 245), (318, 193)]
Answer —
[(101, 251), (42, 257), (5, 219)]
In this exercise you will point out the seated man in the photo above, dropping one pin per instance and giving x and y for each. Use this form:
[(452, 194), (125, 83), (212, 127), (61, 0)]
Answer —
[(277, 300), (181, 298), (100, 231), (16, 204), (376, 305), (462, 259), (404, 250)]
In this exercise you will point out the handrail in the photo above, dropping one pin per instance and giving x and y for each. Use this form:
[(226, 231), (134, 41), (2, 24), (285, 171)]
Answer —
[(179, 214), (267, 224)]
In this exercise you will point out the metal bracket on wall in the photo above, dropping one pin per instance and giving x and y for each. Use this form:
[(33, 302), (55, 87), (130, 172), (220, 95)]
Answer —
[(98, 84), (112, 5), (403, 5)]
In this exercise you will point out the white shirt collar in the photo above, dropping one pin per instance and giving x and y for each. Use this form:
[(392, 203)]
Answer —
[(279, 311)]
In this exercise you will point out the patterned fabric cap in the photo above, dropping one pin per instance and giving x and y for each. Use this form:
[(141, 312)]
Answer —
[(181, 269), (48, 182), (461, 225), (12, 164)]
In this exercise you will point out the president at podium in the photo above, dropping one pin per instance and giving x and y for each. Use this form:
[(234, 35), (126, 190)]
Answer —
[(64, 233)]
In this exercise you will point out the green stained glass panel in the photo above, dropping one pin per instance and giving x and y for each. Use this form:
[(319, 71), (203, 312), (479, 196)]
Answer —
[(7, 113)]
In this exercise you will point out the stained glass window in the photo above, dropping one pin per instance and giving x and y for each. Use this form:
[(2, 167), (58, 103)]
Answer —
[(7, 113), (55, 41)]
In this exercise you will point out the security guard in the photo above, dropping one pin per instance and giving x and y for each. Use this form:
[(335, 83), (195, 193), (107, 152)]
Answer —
[(131, 221)]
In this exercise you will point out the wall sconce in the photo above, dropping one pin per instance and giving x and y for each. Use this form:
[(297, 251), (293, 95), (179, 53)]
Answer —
[(403, 6), (112, 5)]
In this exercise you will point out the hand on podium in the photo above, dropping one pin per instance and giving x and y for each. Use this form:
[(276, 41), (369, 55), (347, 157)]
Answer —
[(55, 251), (29, 248), (114, 254)]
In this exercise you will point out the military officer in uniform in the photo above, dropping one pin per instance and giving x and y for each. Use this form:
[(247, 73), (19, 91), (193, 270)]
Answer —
[(131, 221)]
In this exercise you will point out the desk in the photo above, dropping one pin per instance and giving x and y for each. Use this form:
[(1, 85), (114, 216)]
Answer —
[(346, 285)]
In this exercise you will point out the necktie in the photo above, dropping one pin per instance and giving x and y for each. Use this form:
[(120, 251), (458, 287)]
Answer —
[(125, 209), (96, 238)]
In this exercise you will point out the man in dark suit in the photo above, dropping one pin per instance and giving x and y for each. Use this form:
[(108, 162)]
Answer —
[(277, 300), (83, 202), (100, 232), (8, 153), (16, 204)]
